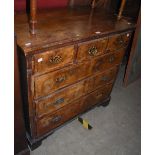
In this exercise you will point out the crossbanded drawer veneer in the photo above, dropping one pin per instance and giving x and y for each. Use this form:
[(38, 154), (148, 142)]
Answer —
[(69, 65)]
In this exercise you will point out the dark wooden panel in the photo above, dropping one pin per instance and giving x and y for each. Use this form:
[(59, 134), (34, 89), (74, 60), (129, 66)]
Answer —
[(105, 77), (20, 144), (133, 70), (118, 41)]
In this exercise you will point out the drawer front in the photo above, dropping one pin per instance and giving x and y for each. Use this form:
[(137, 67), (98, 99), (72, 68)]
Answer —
[(53, 59), (117, 42), (46, 124), (67, 95), (66, 113), (108, 61), (105, 77), (96, 97), (126, 38), (63, 97), (91, 49), (48, 83)]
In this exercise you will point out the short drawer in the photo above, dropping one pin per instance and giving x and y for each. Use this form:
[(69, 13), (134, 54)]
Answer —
[(65, 96), (108, 61), (66, 113), (53, 59), (105, 77), (91, 49), (118, 41), (96, 97)]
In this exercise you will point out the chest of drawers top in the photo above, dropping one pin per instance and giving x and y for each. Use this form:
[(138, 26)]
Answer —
[(62, 27)]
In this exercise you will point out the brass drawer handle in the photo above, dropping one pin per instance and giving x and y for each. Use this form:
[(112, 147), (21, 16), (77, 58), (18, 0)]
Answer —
[(60, 79), (92, 51), (120, 41), (56, 119), (57, 102), (111, 59), (56, 59), (51, 120)]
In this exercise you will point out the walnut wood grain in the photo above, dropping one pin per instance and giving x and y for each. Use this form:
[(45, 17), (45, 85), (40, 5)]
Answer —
[(48, 83), (46, 124), (60, 98), (20, 142), (53, 59), (118, 41), (63, 97), (91, 49), (55, 30), (69, 57)]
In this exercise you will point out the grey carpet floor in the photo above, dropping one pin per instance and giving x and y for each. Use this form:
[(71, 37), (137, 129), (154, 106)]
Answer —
[(116, 128)]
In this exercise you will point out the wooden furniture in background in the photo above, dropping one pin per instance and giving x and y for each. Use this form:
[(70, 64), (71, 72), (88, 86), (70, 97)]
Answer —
[(20, 141), (94, 3), (33, 18), (133, 71), (121, 9), (132, 9)]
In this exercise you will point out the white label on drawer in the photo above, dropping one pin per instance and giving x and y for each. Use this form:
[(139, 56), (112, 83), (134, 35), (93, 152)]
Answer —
[(40, 59), (27, 44), (98, 32)]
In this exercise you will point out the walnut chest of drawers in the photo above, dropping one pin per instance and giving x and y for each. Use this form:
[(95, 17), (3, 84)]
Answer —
[(69, 66)]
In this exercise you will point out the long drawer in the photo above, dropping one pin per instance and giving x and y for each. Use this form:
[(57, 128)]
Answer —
[(50, 122), (48, 83), (65, 96)]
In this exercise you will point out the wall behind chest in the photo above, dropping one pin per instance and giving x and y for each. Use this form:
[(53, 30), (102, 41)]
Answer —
[(20, 5)]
